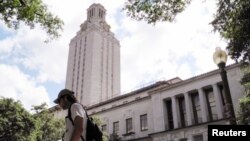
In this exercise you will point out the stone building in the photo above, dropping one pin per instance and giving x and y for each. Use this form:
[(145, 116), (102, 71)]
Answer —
[(171, 110)]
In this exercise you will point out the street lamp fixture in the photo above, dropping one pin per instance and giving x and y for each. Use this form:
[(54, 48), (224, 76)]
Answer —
[(220, 59)]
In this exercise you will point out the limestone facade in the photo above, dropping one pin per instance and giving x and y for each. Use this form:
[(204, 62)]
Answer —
[(93, 70), (177, 111)]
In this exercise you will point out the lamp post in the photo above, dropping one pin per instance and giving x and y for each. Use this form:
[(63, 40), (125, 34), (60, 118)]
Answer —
[(220, 59)]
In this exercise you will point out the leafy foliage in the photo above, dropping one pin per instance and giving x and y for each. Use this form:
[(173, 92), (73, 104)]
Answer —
[(99, 122), (16, 123), (48, 128), (105, 136), (154, 11), (232, 21), (31, 12), (244, 113), (96, 120)]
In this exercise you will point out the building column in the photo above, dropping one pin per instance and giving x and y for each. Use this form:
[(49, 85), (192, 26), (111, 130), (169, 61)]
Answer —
[(158, 116), (218, 101), (203, 104), (188, 108), (174, 110)]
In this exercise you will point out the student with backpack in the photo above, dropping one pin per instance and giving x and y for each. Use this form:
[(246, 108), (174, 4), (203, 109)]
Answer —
[(77, 123), (79, 127)]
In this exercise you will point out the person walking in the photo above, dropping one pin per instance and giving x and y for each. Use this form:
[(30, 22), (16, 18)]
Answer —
[(76, 119)]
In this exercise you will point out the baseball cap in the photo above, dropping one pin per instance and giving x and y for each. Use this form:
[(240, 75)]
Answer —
[(62, 93)]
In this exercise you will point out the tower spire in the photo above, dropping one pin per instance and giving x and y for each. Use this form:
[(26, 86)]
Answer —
[(96, 13)]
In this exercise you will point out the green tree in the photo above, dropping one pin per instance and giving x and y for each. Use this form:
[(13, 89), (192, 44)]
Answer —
[(16, 123), (244, 112), (48, 127), (31, 12), (99, 122), (232, 20), (154, 11)]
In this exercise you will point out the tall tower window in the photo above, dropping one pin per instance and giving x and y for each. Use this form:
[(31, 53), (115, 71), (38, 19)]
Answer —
[(169, 118), (104, 128), (182, 110), (116, 127), (196, 107), (129, 125), (144, 122), (100, 13), (211, 104)]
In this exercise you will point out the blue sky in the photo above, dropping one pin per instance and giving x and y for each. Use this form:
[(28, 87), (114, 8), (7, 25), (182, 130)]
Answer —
[(34, 72)]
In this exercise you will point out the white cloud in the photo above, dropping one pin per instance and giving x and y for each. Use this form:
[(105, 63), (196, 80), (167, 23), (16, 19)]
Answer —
[(27, 48), (6, 47), (183, 48), (19, 86)]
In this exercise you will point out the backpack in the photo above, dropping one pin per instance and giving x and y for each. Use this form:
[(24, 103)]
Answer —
[(93, 132)]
